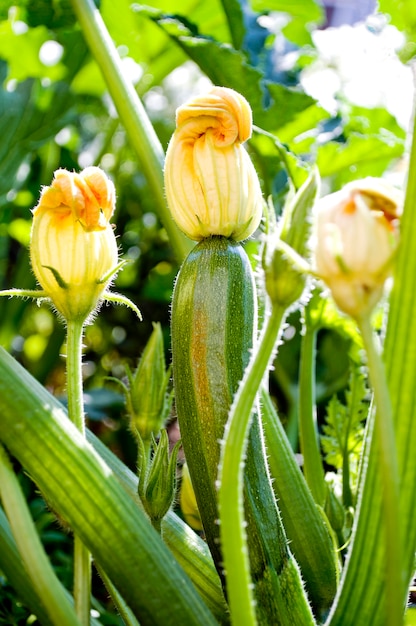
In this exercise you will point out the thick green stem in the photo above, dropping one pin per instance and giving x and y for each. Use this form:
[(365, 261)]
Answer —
[(188, 548), (133, 116), (365, 580), (384, 431), (125, 612), (50, 591), (309, 533), (82, 557), (309, 438), (232, 526), (87, 494), (16, 574)]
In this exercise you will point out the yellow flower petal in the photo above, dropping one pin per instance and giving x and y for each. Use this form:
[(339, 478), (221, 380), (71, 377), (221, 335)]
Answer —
[(211, 185)]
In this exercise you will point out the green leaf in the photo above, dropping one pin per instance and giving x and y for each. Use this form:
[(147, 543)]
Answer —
[(235, 17), (360, 156), (21, 51), (25, 126), (231, 68), (344, 428), (402, 14)]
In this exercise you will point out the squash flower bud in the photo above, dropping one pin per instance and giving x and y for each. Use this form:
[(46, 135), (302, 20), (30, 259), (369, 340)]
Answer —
[(147, 399), (73, 248), (356, 239), (211, 185)]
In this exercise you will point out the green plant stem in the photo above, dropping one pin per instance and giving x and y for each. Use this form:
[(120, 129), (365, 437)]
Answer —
[(133, 116), (230, 497), (50, 591), (384, 431), (87, 494), (364, 580), (308, 531), (188, 548), (16, 574), (82, 557), (125, 612), (309, 438)]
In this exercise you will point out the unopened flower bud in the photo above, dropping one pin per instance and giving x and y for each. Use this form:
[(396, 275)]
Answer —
[(157, 479), (286, 245), (146, 396), (356, 240), (73, 248), (211, 185)]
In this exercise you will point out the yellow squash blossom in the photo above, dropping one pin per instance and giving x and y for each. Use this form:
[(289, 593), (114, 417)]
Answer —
[(211, 185), (356, 239), (73, 248)]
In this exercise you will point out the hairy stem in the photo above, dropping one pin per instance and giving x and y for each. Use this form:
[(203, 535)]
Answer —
[(232, 523), (82, 557)]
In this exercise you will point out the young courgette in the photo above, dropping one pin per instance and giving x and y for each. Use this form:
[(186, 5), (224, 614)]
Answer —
[(213, 326)]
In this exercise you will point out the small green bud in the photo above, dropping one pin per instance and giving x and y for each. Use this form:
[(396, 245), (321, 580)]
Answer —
[(157, 479), (285, 275), (147, 401), (286, 245)]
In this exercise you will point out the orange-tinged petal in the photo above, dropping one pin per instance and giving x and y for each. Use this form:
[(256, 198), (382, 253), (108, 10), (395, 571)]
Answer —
[(356, 240), (73, 248)]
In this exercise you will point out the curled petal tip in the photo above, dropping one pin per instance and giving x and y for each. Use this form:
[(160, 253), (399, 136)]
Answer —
[(223, 110), (211, 185)]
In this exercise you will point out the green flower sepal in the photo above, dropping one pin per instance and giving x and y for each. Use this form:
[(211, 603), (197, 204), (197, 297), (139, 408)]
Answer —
[(147, 399), (286, 246), (157, 478)]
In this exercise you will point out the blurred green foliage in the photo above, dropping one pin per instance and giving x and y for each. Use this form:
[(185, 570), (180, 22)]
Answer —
[(55, 112)]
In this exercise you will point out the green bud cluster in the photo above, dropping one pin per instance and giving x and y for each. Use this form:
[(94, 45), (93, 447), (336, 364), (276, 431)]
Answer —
[(157, 478)]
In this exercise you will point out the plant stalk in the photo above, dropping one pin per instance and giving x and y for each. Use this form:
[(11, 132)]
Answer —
[(47, 586), (386, 438), (293, 603), (308, 431), (87, 494), (82, 557), (133, 116), (364, 581)]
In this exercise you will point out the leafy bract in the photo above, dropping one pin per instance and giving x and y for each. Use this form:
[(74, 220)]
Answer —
[(344, 430)]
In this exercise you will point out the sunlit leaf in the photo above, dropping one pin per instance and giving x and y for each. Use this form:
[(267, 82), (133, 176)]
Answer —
[(352, 157), (402, 14), (21, 51)]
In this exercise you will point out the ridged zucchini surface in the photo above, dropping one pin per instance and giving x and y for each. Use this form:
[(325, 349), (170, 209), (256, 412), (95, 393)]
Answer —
[(213, 326), (213, 313)]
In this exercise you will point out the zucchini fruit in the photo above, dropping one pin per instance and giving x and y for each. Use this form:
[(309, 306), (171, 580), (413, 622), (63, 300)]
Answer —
[(213, 316), (213, 328)]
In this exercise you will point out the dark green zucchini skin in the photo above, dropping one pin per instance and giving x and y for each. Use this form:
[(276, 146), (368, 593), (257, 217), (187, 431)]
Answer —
[(213, 326)]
